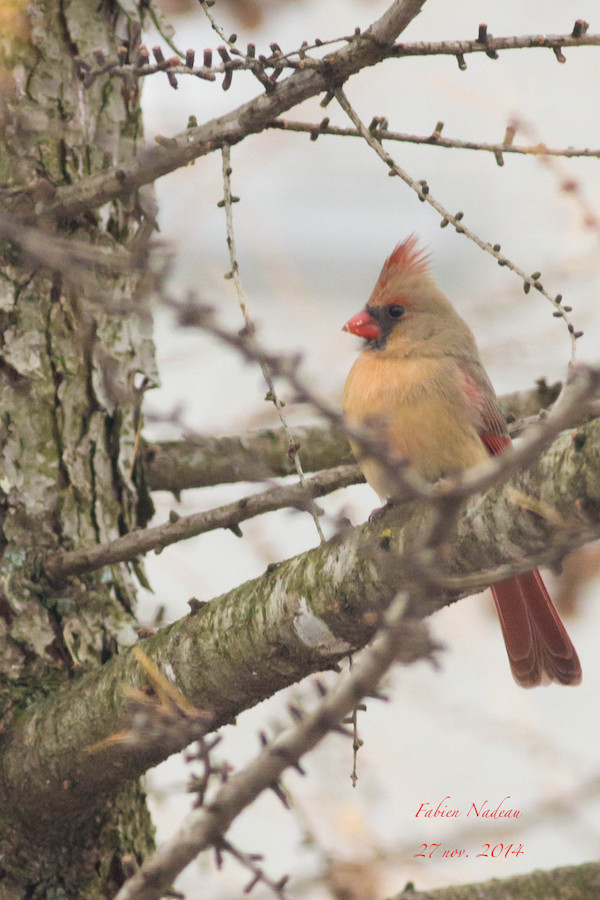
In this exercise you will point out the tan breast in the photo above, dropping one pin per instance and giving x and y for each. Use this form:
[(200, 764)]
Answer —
[(416, 407)]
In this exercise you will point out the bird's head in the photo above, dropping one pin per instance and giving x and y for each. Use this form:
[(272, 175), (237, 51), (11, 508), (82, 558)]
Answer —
[(406, 306)]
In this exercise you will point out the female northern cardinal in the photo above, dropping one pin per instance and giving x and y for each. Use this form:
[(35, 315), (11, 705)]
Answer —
[(419, 386)]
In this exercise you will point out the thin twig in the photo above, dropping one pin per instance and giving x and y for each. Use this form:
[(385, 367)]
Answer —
[(366, 48), (250, 862), (422, 190), (219, 31), (249, 328), (434, 139), (493, 45)]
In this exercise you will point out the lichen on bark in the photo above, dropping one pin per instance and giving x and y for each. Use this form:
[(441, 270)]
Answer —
[(69, 406)]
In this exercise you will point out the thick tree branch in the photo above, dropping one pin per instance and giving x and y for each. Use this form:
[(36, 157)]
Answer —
[(365, 49), (257, 455), (178, 465), (572, 882), (301, 616)]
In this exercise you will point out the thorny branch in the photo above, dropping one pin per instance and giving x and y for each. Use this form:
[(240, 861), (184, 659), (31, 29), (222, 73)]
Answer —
[(235, 60), (250, 861), (423, 192), (485, 43), (309, 78), (234, 274), (179, 528), (252, 117), (434, 139), (399, 639)]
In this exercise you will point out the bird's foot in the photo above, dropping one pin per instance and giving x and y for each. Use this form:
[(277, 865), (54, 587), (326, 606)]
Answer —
[(380, 511)]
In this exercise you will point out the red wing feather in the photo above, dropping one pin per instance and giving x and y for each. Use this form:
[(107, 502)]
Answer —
[(495, 444), (492, 429)]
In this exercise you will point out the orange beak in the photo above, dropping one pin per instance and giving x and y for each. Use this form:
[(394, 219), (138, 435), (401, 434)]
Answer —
[(363, 325)]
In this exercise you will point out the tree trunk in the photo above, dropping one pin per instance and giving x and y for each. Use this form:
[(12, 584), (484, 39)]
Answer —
[(69, 412)]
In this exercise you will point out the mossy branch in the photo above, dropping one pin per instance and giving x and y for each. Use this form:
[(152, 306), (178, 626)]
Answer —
[(301, 616)]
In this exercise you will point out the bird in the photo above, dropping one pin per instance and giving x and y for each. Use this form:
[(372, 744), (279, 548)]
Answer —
[(420, 387)]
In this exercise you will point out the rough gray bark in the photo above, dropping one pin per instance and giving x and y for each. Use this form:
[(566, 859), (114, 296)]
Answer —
[(178, 465), (400, 640), (69, 419)]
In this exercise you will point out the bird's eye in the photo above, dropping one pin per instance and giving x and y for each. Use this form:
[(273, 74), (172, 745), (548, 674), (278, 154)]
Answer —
[(396, 311)]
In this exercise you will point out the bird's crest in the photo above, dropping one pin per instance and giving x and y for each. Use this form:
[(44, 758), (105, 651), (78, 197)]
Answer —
[(406, 259)]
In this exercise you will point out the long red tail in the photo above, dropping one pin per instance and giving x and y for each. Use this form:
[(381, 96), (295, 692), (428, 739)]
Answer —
[(538, 646)]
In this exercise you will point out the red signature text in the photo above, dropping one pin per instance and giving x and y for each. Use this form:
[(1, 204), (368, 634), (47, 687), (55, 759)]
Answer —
[(483, 809), (495, 851)]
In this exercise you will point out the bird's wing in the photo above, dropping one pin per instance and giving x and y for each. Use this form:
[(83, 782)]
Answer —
[(492, 424)]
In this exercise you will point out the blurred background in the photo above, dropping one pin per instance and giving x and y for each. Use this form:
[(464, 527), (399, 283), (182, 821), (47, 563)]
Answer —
[(314, 224)]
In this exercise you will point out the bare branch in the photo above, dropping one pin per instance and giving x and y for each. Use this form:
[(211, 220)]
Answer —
[(299, 59), (366, 49), (291, 616), (249, 328), (258, 875), (200, 461), (179, 528), (493, 45), (434, 139), (423, 192), (579, 882)]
